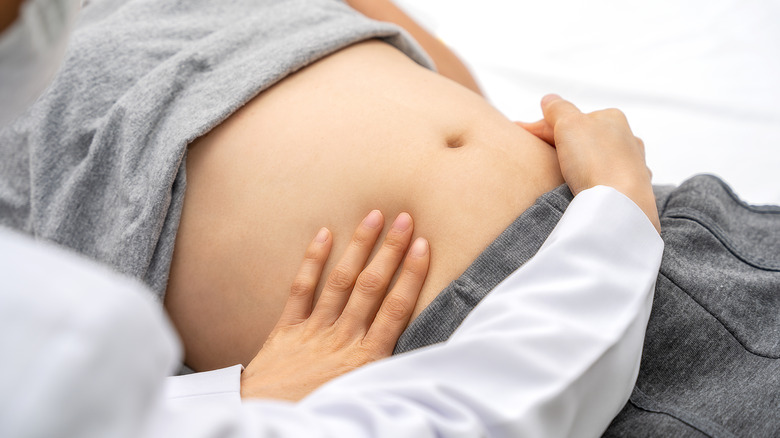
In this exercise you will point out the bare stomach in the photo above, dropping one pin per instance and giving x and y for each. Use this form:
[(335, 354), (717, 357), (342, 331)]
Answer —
[(365, 128)]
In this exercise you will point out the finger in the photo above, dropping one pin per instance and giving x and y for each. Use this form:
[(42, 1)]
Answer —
[(556, 108), (342, 278), (397, 308), (540, 129), (372, 283), (298, 305)]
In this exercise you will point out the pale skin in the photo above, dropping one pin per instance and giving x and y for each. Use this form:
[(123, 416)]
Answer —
[(350, 328), (597, 148), (353, 322), (559, 114)]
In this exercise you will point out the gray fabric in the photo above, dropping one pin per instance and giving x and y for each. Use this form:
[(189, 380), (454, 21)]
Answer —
[(97, 163), (515, 246), (711, 359)]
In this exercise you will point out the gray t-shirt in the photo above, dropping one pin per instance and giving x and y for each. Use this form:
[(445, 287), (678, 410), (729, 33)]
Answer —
[(97, 164)]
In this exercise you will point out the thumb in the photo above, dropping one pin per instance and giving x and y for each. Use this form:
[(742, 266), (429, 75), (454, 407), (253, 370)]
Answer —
[(541, 129), (555, 108)]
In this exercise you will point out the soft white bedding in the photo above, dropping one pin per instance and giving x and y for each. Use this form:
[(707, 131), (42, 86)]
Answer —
[(699, 79)]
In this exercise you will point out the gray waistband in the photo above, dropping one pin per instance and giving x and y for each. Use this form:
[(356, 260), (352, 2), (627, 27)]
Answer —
[(515, 246)]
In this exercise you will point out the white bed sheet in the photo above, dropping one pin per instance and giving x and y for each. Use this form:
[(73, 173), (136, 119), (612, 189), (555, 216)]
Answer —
[(698, 79)]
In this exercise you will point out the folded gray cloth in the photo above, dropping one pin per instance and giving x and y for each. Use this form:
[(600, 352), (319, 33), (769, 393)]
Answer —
[(711, 358), (97, 164)]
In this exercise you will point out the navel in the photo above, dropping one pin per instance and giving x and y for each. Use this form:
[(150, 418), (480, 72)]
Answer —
[(455, 141)]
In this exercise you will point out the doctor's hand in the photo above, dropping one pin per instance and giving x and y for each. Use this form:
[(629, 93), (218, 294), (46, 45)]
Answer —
[(354, 321), (597, 148)]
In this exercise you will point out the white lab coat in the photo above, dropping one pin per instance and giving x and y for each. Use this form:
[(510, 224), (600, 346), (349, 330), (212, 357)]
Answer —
[(552, 351)]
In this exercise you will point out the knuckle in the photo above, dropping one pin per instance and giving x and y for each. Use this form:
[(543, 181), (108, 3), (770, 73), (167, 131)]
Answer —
[(371, 280), (340, 278), (396, 308), (414, 271), (417, 269), (307, 332), (395, 242), (300, 288), (362, 239), (312, 255), (614, 113)]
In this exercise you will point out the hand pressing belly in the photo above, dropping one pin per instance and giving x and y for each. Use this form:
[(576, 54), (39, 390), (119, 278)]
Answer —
[(365, 128)]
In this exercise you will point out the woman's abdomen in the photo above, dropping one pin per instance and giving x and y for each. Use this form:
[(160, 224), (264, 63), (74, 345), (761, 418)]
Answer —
[(365, 128)]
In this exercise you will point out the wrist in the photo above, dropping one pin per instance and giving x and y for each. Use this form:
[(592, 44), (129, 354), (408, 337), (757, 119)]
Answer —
[(641, 192)]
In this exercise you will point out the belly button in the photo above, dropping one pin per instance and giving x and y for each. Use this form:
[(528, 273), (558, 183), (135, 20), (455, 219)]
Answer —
[(455, 141)]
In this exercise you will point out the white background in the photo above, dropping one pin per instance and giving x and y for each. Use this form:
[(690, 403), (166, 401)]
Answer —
[(698, 79)]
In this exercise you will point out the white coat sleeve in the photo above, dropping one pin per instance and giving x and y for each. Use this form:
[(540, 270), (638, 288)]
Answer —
[(83, 349), (553, 351)]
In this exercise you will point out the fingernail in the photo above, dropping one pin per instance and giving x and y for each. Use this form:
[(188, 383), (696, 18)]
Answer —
[(373, 220), (419, 247), (322, 235), (402, 222), (549, 98)]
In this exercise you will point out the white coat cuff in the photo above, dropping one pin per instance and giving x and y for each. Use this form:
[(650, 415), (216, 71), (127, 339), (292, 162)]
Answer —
[(222, 387)]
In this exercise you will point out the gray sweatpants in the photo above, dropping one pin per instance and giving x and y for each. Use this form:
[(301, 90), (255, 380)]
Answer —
[(711, 359)]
